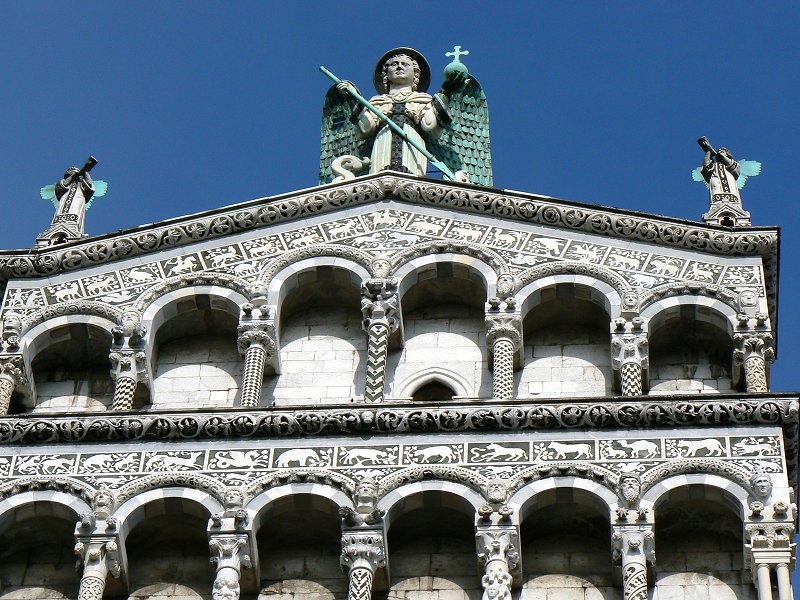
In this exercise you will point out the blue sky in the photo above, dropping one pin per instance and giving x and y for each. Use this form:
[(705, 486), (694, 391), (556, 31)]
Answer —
[(194, 105)]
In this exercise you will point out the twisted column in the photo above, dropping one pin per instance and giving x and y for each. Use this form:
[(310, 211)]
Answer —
[(503, 339), (362, 554), (499, 557), (258, 345), (12, 375), (754, 351), (629, 355), (633, 547), (228, 553), (98, 556), (380, 319)]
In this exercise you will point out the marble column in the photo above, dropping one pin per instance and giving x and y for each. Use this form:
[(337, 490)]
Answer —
[(753, 351), (499, 557), (229, 554), (98, 556), (381, 318), (12, 375), (629, 355), (503, 341), (257, 343), (633, 548), (128, 359), (363, 552)]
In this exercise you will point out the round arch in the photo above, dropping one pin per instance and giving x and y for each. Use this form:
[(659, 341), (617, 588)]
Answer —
[(550, 490), (601, 292), (280, 282), (399, 500), (713, 487), (40, 336), (191, 501), (706, 309), (408, 272), (60, 504), (259, 507)]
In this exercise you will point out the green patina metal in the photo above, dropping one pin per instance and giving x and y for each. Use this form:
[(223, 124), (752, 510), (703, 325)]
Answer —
[(396, 128)]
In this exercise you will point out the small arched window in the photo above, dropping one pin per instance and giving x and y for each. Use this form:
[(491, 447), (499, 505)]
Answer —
[(433, 391)]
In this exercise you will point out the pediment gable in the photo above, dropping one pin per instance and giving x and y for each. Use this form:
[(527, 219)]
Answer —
[(396, 215)]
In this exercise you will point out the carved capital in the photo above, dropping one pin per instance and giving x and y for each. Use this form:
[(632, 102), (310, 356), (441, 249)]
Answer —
[(633, 543), (365, 549), (379, 301), (498, 544), (128, 362), (752, 344), (629, 347), (503, 326), (12, 367), (99, 554), (260, 333), (230, 551)]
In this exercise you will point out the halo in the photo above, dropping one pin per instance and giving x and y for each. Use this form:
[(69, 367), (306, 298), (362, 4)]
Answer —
[(424, 68)]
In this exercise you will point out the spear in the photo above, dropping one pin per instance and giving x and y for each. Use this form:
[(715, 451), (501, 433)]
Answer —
[(395, 127)]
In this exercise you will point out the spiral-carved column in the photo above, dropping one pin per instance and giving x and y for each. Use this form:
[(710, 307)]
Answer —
[(633, 547), (754, 351), (503, 340), (629, 355), (380, 319), (258, 346), (362, 554), (12, 375)]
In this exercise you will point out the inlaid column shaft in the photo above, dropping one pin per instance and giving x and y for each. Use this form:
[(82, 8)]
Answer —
[(128, 359), (503, 340), (362, 554), (380, 318), (98, 558), (629, 355), (633, 547)]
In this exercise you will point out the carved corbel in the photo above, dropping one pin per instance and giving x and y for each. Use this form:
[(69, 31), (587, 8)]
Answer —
[(12, 376), (12, 331), (754, 351), (629, 355), (97, 547), (367, 513)]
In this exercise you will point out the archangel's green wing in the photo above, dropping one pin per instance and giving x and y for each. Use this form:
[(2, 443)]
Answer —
[(338, 135), (464, 142), (100, 189), (48, 192), (697, 175), (747, 168)]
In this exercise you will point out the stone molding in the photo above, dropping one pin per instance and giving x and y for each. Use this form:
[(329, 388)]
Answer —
[(527, 208), (488, 416)]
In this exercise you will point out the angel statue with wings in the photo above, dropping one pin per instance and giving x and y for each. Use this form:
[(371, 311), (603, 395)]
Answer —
[(403, 128), (72, 196)]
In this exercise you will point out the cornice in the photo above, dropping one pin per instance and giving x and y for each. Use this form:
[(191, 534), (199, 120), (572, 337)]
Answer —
[(490, 415), (263, 212)]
